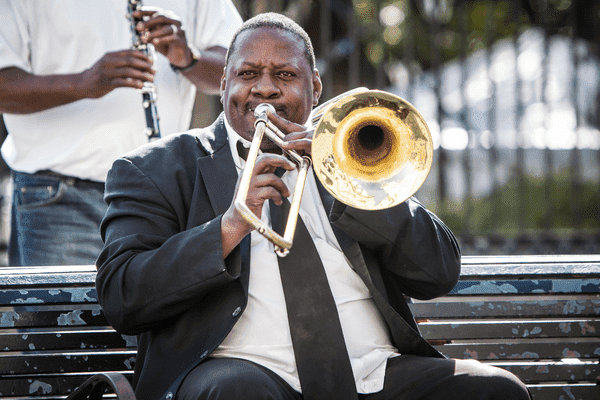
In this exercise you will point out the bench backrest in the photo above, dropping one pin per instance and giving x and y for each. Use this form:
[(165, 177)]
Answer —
[(538, 317)]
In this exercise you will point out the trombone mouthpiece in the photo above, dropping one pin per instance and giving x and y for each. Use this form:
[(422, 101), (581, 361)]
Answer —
[(262, 109)]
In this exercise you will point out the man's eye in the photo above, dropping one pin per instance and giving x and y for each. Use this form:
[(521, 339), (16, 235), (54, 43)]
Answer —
[(286, 74), (246, 73)]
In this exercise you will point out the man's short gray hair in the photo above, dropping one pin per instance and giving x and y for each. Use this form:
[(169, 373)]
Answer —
[(275, 21)]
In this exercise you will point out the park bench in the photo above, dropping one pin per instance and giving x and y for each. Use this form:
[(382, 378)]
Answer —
[(536, 316), (54, 336)]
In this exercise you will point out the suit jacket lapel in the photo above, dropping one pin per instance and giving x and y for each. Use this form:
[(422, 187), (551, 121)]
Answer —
[(217, 168), (220, 176)]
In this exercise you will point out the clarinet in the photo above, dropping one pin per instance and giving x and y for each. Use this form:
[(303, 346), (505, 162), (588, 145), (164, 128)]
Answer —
[(149, 89)]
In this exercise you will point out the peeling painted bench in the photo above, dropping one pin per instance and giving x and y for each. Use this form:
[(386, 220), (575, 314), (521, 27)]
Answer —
[(54, 337), (537, 316)]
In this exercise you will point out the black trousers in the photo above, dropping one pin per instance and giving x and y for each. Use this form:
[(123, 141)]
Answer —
[(407, 377)]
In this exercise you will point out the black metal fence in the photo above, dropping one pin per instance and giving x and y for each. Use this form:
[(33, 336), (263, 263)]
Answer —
[(511, 93)]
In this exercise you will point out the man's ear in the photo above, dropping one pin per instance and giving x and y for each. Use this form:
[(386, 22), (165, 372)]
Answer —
[(317, 87), (223, 83)]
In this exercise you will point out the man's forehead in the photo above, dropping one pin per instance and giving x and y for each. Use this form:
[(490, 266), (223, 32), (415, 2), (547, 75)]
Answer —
[(253, 44), (260, 35)]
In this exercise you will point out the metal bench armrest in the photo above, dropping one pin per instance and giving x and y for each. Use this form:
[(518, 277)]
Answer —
[(96, 386)]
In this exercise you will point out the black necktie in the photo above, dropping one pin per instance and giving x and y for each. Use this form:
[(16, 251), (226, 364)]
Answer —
[(321, 355)]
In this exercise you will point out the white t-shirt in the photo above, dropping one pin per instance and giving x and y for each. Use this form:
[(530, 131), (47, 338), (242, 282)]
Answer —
[(83, 138), (262, 333)]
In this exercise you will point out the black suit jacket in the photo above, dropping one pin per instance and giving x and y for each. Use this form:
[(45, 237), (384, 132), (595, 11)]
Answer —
[(161, 274)]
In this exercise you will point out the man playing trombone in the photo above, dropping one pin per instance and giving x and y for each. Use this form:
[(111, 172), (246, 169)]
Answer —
[(219, 315)]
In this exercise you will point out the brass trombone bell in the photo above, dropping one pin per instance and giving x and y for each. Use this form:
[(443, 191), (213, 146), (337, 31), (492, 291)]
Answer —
[(371, 150)]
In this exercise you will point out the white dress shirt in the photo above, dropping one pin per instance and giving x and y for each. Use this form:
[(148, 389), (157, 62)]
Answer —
[(262, 333)]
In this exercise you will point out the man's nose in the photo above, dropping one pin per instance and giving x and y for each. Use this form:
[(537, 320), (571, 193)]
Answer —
[(266, 87)]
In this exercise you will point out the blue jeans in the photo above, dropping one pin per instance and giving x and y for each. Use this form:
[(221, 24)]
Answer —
[(55, 220)]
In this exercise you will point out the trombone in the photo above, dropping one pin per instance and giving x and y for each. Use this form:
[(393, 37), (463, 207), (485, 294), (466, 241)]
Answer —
[(371, 150)]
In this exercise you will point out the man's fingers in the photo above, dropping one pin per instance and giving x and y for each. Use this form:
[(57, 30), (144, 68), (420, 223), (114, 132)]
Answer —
[(156, 20), (268, 163), (270, 186), (128, 73), (297, 137), (284, 125), (300, 146), (265, 177), (128, 58)]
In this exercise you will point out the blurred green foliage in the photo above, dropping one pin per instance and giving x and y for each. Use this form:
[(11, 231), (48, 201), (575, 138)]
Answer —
[(391, 28), (520, 206), (435, 31), (427, 33)]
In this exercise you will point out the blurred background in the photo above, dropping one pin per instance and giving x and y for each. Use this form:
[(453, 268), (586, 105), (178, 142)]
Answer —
[(510, 90)]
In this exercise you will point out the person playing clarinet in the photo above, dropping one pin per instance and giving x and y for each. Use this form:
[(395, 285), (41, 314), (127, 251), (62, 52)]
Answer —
[(70, 97)]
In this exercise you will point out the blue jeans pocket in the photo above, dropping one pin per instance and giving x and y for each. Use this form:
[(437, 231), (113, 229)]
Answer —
[(37, 191)]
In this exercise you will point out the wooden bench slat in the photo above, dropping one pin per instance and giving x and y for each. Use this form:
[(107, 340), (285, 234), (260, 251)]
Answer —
[(486, 329), (531, 267), (71, 295), (67, 316), (522, 306), (511, 350), (60, 338), (39, 386), (566, 392), (48, 362), (551, 372), (43, 385), (538, 286), (55, 275)]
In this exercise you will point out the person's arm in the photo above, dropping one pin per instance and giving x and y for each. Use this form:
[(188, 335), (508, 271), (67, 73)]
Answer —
[(411, 242), (22, 92), (204, 68), (207, 71), (153, 267)]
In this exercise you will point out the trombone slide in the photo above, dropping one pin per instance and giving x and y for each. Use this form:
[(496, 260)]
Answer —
[(264, 127)]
